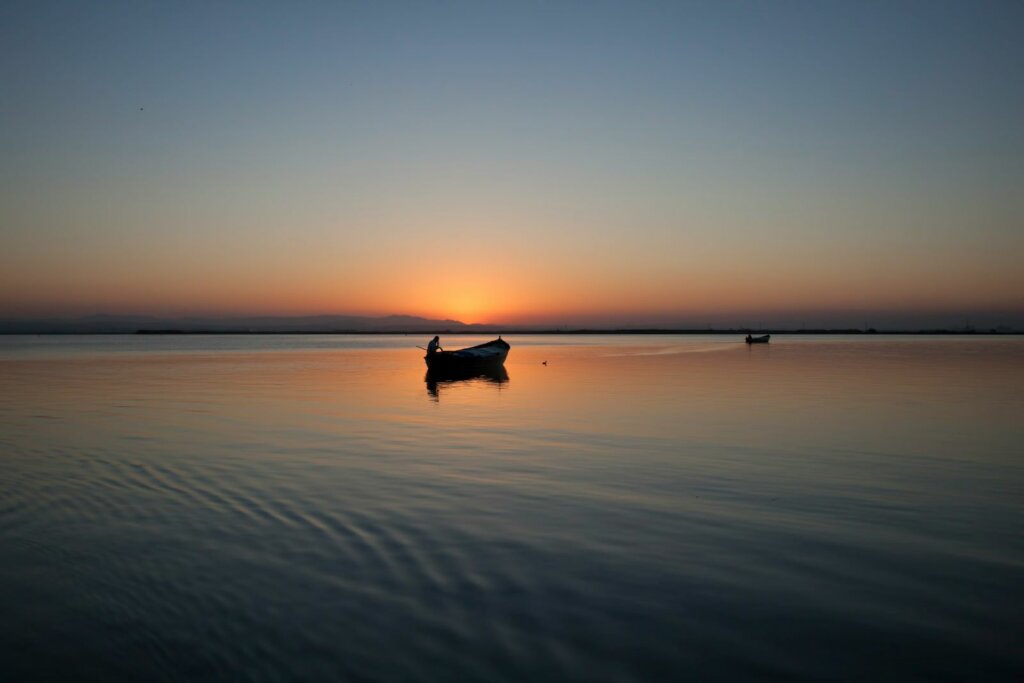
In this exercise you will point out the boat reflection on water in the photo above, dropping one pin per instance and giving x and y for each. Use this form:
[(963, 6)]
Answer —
[(437, 379)]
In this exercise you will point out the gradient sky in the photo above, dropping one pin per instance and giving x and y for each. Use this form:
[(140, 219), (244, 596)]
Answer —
[(608, 163)]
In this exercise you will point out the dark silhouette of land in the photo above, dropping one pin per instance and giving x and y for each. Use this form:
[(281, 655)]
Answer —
[(406, 324), (131, 324)]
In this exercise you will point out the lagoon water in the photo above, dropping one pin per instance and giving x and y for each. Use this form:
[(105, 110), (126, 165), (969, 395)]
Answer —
[(641, 508)]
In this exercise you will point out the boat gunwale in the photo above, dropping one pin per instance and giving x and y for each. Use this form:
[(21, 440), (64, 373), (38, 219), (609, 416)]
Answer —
[(457, 357)]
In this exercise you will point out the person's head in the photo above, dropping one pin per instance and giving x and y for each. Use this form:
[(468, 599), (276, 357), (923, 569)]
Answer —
[(436, 338)]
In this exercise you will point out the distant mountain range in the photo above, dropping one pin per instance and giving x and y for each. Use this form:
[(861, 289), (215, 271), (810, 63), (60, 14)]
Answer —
[(121, 324), (341, 324)]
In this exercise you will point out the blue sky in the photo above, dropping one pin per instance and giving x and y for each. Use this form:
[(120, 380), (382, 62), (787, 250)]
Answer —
[(609, 161)]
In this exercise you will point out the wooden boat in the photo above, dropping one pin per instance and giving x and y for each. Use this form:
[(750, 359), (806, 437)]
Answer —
[(480, 357), (758, 340)]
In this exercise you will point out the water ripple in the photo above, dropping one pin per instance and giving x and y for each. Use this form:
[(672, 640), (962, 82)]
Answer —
[(615, 516)]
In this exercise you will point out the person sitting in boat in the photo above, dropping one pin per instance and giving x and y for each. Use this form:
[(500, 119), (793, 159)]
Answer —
[(434, 346)]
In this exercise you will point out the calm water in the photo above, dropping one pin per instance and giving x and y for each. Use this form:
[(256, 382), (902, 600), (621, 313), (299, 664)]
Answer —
[(640, 508)]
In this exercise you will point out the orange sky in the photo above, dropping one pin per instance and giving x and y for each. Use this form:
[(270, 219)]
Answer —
[(650, 164)]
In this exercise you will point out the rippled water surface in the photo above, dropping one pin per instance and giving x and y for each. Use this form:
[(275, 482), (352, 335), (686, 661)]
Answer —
[(639, 508)]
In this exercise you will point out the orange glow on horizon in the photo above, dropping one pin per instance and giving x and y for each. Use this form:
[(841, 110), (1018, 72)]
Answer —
[(522, 287)]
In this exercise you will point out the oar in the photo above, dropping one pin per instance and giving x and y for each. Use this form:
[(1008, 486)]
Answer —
[(420, 347)]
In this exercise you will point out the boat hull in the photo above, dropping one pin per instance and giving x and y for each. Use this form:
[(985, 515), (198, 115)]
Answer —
[(483, 357), (758, 340)]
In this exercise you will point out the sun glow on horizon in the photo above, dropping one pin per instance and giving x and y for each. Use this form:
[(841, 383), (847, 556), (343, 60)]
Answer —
[(503, 164)]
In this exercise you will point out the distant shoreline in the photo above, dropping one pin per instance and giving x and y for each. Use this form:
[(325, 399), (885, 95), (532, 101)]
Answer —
[(401, 324), (580, 332), (592, 332)]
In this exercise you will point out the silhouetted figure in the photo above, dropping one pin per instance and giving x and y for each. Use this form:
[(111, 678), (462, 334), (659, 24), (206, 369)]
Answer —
[(434, 346)]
